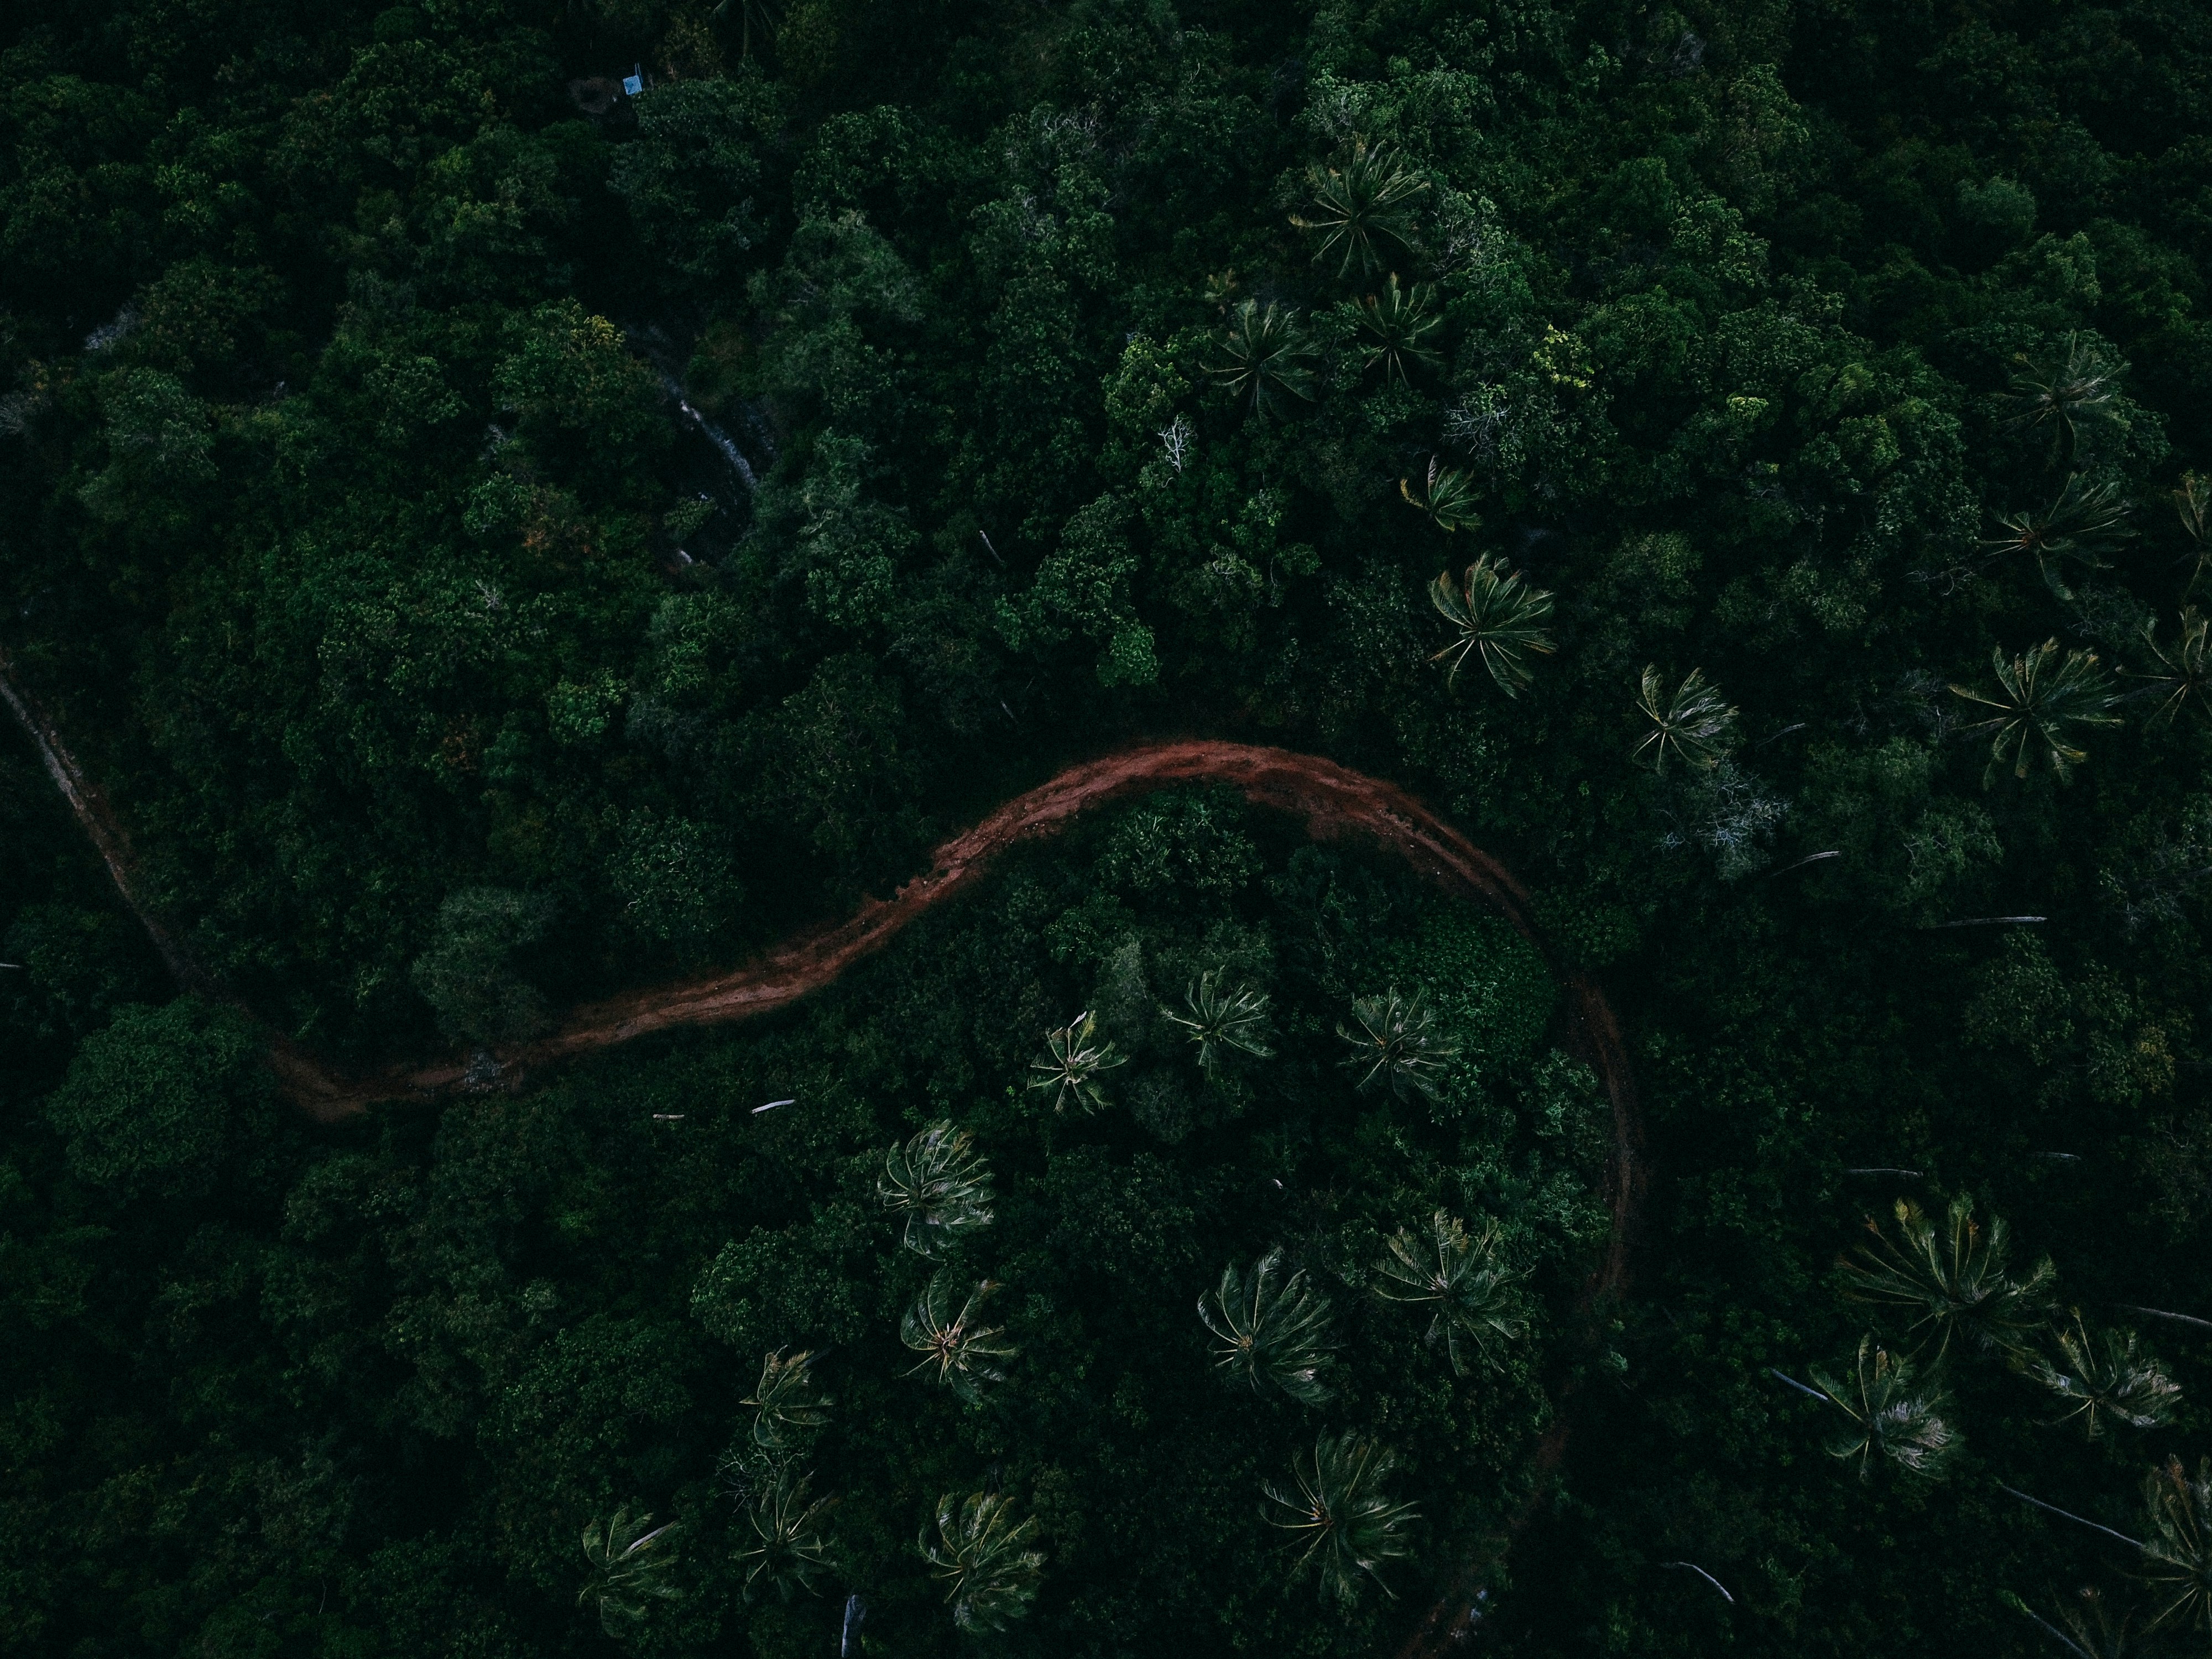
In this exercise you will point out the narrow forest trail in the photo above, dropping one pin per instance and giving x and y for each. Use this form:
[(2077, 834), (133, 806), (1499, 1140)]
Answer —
[(1333, 801)]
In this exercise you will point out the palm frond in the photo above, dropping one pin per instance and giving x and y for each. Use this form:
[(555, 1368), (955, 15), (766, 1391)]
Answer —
[(2083, 523), (1473, 1291), (1337, 1516), (1692, 726), (958, 1349), (940, 1183), (1498, 617), (1952, 1278), (982, 1552), (2180, 1552), (1221, 1020), (1272, 1330), (1073, 1061), (2039, 709), (1891, 1415), (2187, 679)]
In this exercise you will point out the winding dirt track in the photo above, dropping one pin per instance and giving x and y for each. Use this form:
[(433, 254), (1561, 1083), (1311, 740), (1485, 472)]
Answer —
[(1333, 801)]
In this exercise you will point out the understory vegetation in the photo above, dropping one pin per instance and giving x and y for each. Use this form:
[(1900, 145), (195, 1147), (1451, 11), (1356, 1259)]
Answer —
[(496, 536)]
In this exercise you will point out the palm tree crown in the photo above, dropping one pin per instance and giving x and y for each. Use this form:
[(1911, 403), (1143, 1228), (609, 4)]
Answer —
[(2038, 708), (1399, 1044), (940, 1183), (982, 1552), (1070, 1066), (1271, 1329), (1691, 726), (2062, 399), (1267, 359), (1363, 208), (2106, 1376), (2180, 1553), (1471, 1290), (1221, 1020), (787, 1547), (1951, 1277), (629, 1559), (959, 1346), (1338, 1516), (2187, 681), (788, 1404), (1447, 499), (2082, 524), (1497, 617), (1890, 1416), (1397, 323)]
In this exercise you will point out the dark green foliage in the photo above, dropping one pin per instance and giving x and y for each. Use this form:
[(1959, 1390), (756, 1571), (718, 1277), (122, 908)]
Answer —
[(468, 974)]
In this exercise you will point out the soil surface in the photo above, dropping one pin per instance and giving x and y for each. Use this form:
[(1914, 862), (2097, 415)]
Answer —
[(1332, 800)]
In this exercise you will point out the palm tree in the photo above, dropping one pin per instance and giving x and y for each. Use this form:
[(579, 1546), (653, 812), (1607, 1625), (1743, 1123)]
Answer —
[(1890, 1417), (629, 1561), (942, 1185), (789, 1548), (2080, 525), (788, 1405), (1449, 500), (2090, 1632), (2187, 681), (1072, 1062), (1269, 359), (1399, 1044), (1221, 1020), (1397, 324), (2038, 710), (1338, 1516), (2062, 399), (960, 1348), (1272, 1330), (2106, 1376), (1473, 1291), (1498, 617), (981, 1553), (1954, 1278), (2192, 503), (1363, 208), (1691, 726), (2180, 1555)]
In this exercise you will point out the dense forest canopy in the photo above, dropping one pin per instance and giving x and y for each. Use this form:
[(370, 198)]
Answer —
[(515, 504)]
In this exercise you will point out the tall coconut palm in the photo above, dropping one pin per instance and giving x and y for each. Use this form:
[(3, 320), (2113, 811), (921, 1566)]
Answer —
[(940, 1183), (1471, 1289), (2083, 523), (629, 1559), (788, 1547), (1363, 208), (1892, 1416), (1498, 617), (959, 1349), (1072, 1061), (2040, 708), (2107, 1375), (1272, 1330), (1267, 359), (1399, 1045), (1396, 325), (1337, 1516), (1221, 1020), (1952, 1278), (2179, 1555), (1447, 498), (982, 1553), (788, 1404), (2186, 681), (2065, 398), (1691, 726)]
